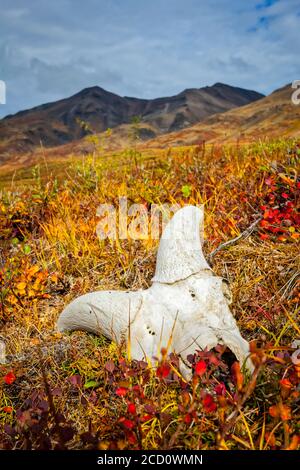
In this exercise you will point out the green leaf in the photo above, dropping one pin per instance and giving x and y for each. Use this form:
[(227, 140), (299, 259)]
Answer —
[(186, 190), (91, 384), (27, 249)]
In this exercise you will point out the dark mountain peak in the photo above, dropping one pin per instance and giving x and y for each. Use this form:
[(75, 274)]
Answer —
[(58, 122), (221, 85), (90, 90), (225, 86), (190, 90), (287, 88), (95, 92)]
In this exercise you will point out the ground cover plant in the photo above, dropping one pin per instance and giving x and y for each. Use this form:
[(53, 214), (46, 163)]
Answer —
[(79, 391)]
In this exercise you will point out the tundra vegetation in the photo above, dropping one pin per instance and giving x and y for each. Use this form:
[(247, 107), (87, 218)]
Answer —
[(80, 391)]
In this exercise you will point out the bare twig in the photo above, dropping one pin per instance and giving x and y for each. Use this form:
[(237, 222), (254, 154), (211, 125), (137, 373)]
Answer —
[(51, 403), (232, 418), (244, 234)]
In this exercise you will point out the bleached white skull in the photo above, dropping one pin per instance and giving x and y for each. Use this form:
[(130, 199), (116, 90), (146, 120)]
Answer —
[(186, 307)]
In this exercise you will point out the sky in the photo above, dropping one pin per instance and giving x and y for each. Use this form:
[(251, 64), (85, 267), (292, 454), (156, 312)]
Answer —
[(145, 48)]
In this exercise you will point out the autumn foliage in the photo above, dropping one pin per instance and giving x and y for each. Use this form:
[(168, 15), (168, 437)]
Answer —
[(79, 391)]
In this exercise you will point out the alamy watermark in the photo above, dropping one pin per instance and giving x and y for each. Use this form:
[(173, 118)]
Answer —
[(2, 92), (140, 222), (296, 94), (2, 352)]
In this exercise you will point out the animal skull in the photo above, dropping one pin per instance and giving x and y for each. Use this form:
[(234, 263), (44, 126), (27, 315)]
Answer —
[(186, 305)]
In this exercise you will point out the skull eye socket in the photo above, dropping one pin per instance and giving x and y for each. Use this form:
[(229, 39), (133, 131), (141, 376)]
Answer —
[(226, 291)]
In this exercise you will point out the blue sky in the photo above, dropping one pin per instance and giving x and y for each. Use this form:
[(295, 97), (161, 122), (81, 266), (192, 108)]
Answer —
[(144, 48)]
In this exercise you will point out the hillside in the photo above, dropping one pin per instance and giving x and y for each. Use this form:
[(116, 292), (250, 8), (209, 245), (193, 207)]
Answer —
[(64, 121), (273, 116)]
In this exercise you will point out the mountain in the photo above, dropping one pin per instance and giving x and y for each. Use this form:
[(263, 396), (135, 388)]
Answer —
[(272, 116), (60, 122)]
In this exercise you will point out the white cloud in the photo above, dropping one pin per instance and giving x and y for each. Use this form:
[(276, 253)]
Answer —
[(49, 50)]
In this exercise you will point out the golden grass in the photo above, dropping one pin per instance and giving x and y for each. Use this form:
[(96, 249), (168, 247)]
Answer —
[(48, 221)]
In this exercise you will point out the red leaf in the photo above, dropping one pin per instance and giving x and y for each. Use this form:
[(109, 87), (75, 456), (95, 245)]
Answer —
[(150, 409), (9, 378), (187, 419), (285, 195), (280, 411), (270, 438), (75, 380), (131, 408), (295, 441), (220, 389), (127, 423), (269, 181), (264, 223), (146, 418), (286, 383), (264, 236), (285, 387), (131, 437), (163, 371), (214, 360), (200, 368), (110, 366), (121, 391), (208, 403), (8, 409)]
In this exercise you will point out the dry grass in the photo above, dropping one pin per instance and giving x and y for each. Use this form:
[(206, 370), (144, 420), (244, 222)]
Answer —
[(50, 254)]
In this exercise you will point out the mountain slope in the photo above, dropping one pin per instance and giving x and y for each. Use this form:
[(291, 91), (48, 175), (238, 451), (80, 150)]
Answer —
[(272, 116), (58, 123)]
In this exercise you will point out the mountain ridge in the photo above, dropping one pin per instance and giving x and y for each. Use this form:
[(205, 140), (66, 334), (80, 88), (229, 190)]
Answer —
[(57, 123), (272, 116)]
